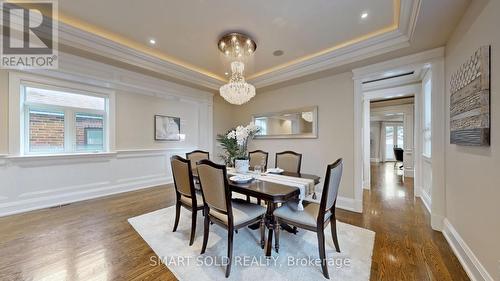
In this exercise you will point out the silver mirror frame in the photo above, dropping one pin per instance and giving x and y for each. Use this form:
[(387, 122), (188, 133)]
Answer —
[(313, 135)]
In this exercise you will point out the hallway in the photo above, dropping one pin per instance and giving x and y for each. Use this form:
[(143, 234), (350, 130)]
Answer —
[(406, 248)]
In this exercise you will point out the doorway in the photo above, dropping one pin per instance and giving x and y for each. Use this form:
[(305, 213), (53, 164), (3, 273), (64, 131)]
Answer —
[(396, 78)]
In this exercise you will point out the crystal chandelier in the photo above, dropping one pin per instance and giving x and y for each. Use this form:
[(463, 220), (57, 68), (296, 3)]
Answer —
[(237, 91), (237, 46)]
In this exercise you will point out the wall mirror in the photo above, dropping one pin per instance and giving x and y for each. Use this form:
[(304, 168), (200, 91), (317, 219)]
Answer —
[(295, 123)]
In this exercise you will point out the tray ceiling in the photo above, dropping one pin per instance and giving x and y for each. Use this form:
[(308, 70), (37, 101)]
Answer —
[(186, 32)]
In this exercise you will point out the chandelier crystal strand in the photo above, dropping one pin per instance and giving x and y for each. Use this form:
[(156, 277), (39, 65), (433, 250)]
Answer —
[(237, 91)]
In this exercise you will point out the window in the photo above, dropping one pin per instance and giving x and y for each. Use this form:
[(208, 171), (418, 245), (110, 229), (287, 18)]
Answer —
[(89, 132), (63, 120), (427, 110), (46, 131)]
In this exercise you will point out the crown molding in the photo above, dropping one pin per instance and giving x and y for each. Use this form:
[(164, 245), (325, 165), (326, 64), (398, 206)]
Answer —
[(369, 48), (77, 38), (81, 70), (383, 43), (377, 45), (407, 63), (80, 39)]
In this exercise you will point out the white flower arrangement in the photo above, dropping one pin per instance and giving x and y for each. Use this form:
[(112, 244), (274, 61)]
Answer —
[(235, 141), (241, 134)]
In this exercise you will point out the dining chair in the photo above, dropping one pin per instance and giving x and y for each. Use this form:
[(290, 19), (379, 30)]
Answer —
[(398, 154), (195, 156), (186, 195), (231, 214), (315, 217), (289, 161), (258, 158)]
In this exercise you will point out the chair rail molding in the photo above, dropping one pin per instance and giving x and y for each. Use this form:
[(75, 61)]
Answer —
[(472, 266), (59, 181)]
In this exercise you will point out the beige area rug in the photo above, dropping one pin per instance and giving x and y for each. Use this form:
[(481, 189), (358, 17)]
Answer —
[(298, 258)]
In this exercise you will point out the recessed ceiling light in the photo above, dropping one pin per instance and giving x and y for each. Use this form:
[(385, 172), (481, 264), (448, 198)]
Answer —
[(364, 15), (152, 41), (278, 53)]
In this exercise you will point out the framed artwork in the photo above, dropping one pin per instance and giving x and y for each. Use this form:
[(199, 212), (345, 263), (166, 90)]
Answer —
[(167, 128), (470, 101)]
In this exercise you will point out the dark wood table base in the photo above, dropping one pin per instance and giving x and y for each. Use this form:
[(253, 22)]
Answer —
[(270, 224)]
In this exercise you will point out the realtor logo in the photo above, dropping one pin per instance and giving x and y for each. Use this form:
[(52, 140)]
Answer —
[(29, 35)]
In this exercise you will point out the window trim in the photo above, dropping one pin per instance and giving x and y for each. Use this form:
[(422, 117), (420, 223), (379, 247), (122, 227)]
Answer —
[(18, 112)]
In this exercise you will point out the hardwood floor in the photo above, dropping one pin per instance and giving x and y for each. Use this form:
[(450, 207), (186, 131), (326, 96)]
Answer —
[(92, 240), (406, 248)]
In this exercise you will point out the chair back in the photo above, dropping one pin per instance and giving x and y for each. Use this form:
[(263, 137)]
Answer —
[(331, 187), (289, 161), (196, 155), (214, 186), (183, 178), (258, 157), (398, 154)]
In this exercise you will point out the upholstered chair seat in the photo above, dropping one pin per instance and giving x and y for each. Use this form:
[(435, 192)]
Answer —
[(243, 212), (223, 211), (188, 201), (307, 217), (186, 194), (315, 217)]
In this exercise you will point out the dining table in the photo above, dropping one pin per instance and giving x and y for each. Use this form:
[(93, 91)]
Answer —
[(273, 194)]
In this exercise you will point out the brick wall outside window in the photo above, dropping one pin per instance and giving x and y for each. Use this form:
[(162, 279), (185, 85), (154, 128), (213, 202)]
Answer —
[(82, 123), (46, 131)]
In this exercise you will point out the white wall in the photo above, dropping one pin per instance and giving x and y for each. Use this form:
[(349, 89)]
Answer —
[(34, 182), (334, 97), (375, 127), (224, 120), (472, 173)]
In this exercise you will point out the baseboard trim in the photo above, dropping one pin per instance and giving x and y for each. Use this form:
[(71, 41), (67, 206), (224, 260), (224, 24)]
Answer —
[(366, 185), (349, 204), (410, 173), (426, 199), (437, 222), (49, 202), (475, 270)]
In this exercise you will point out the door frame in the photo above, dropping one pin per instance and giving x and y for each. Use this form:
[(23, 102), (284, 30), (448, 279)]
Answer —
[(433, 59)]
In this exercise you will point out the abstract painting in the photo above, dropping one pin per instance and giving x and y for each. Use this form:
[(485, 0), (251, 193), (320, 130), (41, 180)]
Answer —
[(470, 101), (167, 128)]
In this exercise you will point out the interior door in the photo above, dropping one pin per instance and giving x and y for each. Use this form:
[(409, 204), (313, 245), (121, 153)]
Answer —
[(394, 137), (389, 143)]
